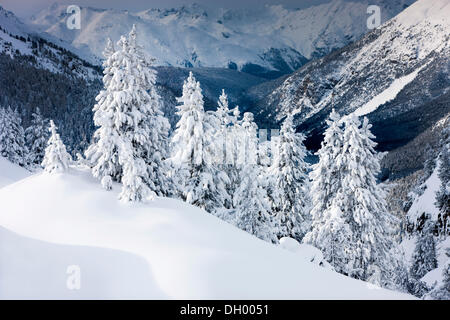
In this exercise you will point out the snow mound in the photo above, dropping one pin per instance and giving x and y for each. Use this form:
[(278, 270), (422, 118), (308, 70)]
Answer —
[(10, 172), (163, 249), (45, 273)]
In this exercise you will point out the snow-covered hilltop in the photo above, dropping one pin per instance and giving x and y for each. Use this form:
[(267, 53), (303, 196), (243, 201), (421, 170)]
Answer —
[(165, 249), (268, 39), (398, 70)]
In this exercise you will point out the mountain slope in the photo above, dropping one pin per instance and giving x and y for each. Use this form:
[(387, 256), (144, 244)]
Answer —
[(178, 251), (16, 39), (398, 74), (268, 40)]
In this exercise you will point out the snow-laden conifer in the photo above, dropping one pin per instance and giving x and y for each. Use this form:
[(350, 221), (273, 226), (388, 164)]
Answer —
[(362, 202), (443, 195), (56, 158), (200, 181), (250, 198), (12, 137), (130, 145), (149, 129), (326, 179), (103, 153), (424, 256), (36, 136), (289, 183)]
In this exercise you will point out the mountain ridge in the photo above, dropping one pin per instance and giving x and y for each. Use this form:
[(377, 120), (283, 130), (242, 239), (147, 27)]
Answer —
[(413, 43), (269, 41)]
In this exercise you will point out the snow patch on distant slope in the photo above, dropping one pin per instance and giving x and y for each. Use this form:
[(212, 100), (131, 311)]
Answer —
[(436, 13), (388, 94)]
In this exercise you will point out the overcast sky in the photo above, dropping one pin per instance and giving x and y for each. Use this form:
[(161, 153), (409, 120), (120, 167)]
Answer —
[(25, 8)]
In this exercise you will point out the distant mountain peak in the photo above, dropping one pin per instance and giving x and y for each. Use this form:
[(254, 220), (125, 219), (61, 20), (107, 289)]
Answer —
[(199, 36)]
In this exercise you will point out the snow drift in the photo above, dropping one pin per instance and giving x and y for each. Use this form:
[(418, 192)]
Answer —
[(163, 249)]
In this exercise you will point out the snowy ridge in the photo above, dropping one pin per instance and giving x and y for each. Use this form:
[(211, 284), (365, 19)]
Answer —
[(11, 23), (175, 250), (270, 37)]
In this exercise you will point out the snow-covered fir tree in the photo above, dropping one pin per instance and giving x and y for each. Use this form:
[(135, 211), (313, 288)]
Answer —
[(289, 183), (12, 137), (152, 135), (223, 135), (443, 195), (200, 181), (36, 136), (424, 256), (234, 148), (132, 140), (329, 232), (250, 198), (56, 158), (103, 153), (224, 117), (344, 183), (442, 291), (362, 202)]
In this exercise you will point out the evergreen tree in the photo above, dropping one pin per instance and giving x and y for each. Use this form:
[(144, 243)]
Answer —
[(224, 133), (328, 231), (250, 199), (442, 292), (152, 136), (290, 183), (424, 256), (344, 183), (130, 144), (36, 136), (223, 115), (234, 152), (103, 153), (443, 195), (56, 158), (362, 202), (200, 181), (12, 137)]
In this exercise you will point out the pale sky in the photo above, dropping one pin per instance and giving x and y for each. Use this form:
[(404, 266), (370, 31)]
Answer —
[(26, 8)]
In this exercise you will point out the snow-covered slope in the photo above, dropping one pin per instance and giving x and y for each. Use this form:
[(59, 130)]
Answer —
[(164, 249), (11, 23), (402, 67), (263, 39), (10, 172)]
